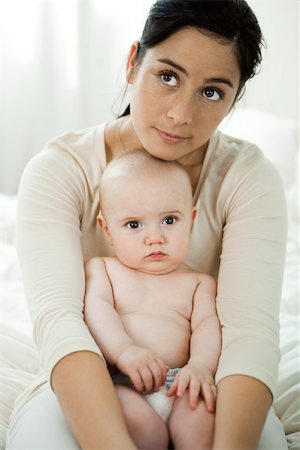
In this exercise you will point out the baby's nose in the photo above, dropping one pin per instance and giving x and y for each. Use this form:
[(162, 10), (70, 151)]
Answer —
[(154, 237)]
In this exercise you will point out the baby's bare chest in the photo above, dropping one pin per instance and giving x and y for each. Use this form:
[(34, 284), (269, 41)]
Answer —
[(160, 294)]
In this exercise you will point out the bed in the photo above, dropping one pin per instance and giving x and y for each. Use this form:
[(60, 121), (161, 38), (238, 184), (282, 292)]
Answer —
[(277, 137)]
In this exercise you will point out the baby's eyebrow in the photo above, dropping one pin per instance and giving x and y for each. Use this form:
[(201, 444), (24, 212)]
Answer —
[(169, 213), (129, 219)]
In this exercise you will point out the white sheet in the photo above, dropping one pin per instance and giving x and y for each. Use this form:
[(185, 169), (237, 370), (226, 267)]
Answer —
[(18, 356)]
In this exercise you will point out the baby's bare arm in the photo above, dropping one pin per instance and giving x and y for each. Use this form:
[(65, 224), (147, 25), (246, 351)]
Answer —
[(100, 314), (205, 348), (145, 369)]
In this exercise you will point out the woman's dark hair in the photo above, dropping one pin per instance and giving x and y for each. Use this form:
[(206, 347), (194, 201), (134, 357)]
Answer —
[(226, 20)]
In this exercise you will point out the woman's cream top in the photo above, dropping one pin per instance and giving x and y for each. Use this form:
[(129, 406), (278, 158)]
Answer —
[(239, 237)]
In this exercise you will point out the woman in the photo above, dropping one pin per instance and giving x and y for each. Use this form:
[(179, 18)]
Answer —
[(185, 74)]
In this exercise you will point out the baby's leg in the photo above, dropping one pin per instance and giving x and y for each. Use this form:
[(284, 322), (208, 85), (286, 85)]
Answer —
[(191, 428), (146, 428)]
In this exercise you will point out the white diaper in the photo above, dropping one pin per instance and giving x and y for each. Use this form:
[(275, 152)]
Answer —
[(160, 403), (158, 400)]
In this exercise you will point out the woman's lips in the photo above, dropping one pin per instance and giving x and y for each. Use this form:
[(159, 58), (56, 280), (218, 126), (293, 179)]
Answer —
[(170, 138)]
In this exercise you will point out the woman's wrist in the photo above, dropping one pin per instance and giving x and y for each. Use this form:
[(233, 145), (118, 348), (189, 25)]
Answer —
[(242, 405), (88, 399)]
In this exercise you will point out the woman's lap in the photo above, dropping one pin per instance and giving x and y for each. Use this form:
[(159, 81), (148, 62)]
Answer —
[(272, 437), (40, 425)]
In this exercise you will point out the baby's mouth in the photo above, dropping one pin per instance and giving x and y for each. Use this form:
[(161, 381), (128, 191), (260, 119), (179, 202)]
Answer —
[(156, 255)]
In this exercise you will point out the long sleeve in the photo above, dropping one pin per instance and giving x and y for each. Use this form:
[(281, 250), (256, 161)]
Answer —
[(251, 269), (49, 243), (239, 237)]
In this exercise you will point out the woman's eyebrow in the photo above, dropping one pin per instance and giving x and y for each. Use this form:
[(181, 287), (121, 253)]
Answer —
[(173, 64), (184, 71), (219, 80)]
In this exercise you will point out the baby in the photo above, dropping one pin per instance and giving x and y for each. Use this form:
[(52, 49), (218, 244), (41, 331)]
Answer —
[(153, 317)]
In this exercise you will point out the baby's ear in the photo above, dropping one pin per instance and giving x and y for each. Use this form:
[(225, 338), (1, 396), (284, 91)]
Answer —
[(103, 224)]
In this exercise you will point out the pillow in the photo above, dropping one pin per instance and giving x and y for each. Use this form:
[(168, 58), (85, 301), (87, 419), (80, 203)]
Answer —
[(276, 136)]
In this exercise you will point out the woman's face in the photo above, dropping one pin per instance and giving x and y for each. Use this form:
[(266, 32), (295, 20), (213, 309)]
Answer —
[(181, 91)]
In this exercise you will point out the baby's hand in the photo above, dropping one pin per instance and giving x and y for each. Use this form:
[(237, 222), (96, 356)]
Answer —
[(199, 380), (146, 370)]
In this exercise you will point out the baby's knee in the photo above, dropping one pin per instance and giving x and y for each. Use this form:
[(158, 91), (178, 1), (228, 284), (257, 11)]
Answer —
[(145, 426), (140, 417), (189, 426)]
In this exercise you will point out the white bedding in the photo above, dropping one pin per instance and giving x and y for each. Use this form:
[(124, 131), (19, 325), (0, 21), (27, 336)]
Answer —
[(18, 357)]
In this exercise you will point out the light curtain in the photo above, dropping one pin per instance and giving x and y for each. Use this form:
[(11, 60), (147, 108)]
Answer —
[(62, 67)]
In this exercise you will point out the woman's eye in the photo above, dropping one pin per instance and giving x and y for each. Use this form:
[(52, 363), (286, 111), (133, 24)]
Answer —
[(133, 224), (170, 220), (212, 94), (169, 78)]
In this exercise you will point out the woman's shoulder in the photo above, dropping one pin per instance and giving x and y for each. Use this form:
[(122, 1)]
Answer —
[(235, 156), (242, 172), (83, 144), (72, 154), (236, 169), (234, 148)]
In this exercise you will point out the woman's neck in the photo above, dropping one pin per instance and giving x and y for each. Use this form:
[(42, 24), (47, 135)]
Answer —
[(120, 137)]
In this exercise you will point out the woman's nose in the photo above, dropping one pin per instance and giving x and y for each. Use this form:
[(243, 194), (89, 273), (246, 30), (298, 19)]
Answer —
[(180, 110)]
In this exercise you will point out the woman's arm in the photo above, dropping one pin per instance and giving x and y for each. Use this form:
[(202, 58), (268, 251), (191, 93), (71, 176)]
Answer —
[(87, 396), (49, 246), (249, 289), (242, 405)]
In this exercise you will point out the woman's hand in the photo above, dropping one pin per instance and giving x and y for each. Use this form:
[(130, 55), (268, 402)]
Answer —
[(146, 370), (199, 380)]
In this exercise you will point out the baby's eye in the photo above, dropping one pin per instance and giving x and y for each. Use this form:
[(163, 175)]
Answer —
[(213, 94), (133, 224), (170, 220), (169, 78)]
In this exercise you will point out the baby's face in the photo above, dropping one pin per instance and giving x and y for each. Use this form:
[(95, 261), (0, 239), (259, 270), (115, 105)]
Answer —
[(149, 220)]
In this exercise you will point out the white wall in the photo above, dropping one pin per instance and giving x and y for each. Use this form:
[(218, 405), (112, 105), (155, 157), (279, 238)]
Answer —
[(62, 67), (276, 88)]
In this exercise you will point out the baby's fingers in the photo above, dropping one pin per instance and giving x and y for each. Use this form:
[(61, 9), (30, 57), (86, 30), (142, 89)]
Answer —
[(164, 370), (147, 378), (173, 388), (194, 391), (209, 392), (183, 384), (137, 381), (159, 374)]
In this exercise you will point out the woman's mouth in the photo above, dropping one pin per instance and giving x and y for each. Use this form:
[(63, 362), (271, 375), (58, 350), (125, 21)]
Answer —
[(170, 138)]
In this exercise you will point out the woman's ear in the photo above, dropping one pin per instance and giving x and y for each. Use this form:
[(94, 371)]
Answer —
[(194, 213), (103, 224), (131, 61)]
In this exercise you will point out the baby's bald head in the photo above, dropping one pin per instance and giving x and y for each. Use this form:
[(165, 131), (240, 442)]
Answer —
[(141, 167)]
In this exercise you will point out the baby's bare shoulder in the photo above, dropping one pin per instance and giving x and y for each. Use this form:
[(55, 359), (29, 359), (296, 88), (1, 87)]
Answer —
[(116, 270), (98, 263), (199, 276), (93, 264)]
